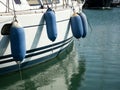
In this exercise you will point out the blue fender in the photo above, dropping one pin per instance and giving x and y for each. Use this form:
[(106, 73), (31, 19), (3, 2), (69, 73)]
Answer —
[(85, 24), (17, 40), (51, 24), (76, 26)]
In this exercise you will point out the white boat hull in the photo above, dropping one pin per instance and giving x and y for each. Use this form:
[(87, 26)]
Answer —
[(38, 47)]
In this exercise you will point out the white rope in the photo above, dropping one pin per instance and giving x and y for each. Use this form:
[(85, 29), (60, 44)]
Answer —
[(14, 11)]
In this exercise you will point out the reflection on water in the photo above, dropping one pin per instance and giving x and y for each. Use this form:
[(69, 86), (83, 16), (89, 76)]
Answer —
[(101, 50), (92, 64), (57, 74)]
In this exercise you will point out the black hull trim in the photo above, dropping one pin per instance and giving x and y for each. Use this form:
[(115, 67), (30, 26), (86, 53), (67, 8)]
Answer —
[(32, 53)]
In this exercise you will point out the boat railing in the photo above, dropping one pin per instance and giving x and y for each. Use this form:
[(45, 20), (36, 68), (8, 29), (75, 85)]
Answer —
[(9, 5), (22, 5)]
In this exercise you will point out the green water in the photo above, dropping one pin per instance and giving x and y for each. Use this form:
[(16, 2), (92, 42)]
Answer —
[(92, 63)]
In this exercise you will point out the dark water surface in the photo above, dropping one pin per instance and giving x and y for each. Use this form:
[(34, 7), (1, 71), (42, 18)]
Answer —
[(93, 63)]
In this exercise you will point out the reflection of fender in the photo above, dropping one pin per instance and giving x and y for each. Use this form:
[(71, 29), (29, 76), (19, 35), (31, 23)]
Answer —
[(51, 26), (85, 24), (76, 26), (17, 39)]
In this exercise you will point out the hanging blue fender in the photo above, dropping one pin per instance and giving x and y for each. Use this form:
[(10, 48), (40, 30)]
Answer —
[(85, 24), (51, 26), (76, 26), (17, 39)]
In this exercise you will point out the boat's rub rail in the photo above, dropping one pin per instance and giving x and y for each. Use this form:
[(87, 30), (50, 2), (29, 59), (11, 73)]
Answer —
[(36, 51), (23, 12)]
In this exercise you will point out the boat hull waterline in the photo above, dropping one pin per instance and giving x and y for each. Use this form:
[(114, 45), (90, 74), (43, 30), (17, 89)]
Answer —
[(38, 46), (42, 32)]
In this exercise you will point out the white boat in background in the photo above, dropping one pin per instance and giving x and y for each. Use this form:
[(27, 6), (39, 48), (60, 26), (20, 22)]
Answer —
[(116, 3), (33, 40), (98, 4)]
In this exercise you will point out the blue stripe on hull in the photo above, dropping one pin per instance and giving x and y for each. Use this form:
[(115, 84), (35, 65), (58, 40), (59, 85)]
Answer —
[(26, 64), (29, 52), (32, 53)]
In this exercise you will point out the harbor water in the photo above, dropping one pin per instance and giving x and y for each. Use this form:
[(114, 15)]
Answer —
[(91, 63)]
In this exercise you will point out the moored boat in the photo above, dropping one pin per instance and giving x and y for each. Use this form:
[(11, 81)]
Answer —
[(98, 4), (116, 3), (34, 31)]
